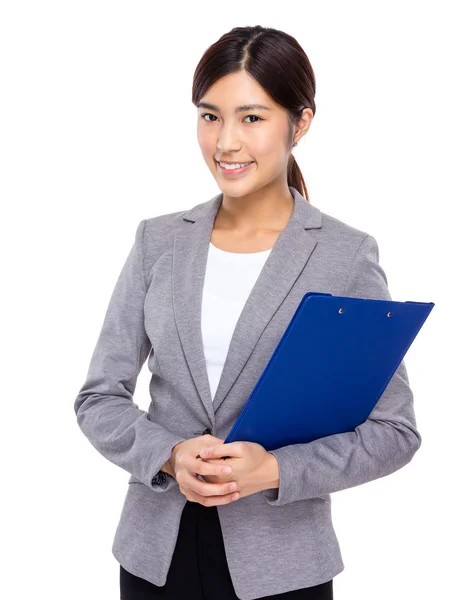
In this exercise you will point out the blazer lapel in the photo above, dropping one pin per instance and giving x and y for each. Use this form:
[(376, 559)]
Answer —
[(283, 266)]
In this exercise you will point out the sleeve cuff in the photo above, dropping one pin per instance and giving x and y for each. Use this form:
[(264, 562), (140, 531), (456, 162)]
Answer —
[(274, 496)]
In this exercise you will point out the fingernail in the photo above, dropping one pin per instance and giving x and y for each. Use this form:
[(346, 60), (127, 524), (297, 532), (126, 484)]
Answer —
[(205, 453), (227, 470), (233, 487)]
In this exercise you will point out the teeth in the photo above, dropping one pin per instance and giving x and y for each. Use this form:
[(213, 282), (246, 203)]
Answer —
[(234, 166)]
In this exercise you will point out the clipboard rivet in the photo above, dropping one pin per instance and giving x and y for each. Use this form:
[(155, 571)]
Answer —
[(341, 310), (389, 314)]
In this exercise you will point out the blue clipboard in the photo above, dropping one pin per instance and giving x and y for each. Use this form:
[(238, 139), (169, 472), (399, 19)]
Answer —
[(329, 369)]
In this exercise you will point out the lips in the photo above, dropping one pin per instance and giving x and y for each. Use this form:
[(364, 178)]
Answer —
[(233, 173), (246, 163)]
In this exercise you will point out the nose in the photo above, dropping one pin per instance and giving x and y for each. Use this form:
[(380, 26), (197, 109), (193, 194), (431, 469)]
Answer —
[(226, 144)]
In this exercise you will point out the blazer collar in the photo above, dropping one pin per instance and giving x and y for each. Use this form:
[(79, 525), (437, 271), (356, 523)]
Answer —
[(284, 264)]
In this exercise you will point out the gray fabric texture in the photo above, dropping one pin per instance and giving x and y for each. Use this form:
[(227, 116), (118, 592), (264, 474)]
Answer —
[(276, 540)]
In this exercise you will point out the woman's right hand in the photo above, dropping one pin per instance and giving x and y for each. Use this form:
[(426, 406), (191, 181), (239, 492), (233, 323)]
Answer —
[(185, 466)]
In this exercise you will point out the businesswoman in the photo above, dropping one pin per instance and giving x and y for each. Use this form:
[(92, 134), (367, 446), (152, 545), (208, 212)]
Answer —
[(204, 296)]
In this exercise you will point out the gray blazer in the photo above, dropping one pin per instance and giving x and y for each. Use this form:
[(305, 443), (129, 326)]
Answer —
[(276, 540)]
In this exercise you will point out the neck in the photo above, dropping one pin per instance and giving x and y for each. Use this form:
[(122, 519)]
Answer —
[(264, 209)]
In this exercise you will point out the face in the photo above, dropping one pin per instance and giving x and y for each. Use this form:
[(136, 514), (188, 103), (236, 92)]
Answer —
[(260, 136)]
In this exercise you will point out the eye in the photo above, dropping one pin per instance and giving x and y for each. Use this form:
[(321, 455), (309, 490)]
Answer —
[(254, 116), (203, 115)]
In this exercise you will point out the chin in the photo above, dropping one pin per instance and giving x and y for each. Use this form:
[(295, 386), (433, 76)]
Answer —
[(235, 191)]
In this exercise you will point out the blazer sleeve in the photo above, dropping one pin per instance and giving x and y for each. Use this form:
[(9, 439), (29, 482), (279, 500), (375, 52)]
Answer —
[(384, 443), (104, 407)]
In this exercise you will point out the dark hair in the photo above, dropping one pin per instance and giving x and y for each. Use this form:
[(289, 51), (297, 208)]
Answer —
[(279, 65)]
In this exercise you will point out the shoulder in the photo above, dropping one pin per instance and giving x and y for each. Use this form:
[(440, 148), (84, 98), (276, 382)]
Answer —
[(161, 228), (358, 253), (164, 224), (340, 242), (353, 254), (337, 230), (155, 234)]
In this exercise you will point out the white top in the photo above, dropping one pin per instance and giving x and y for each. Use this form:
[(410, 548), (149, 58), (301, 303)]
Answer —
[(229, 279)]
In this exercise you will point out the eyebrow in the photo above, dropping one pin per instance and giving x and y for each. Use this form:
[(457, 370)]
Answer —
[(242, 108)]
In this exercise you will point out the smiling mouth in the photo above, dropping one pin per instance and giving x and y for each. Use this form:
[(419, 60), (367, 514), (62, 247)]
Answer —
[(228, 171)]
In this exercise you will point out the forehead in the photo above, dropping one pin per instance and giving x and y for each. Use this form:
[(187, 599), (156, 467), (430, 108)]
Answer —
[(236, 92)]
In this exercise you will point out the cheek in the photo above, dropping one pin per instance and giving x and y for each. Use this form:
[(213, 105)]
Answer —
[(266, 149), (206, 143)]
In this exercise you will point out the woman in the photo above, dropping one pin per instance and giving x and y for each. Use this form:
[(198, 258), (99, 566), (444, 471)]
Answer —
[(205, 295)]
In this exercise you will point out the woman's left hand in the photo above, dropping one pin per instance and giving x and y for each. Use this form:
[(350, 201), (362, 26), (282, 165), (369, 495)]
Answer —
[(250, 463)]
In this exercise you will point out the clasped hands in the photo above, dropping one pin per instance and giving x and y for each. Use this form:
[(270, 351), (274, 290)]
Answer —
[(253, 469)]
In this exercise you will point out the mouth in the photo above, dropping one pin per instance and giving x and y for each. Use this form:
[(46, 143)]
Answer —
[(233, 172)]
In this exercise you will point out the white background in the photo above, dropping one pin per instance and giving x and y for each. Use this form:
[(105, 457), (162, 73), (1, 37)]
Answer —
[(98, 132)]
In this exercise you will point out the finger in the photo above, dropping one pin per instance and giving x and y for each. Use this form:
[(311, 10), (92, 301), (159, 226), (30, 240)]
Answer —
[(213, 439), (233, 449), (212, 500), (220, 469), (202, 488)]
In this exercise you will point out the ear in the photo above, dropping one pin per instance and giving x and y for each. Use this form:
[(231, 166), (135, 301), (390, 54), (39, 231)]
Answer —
[(303, 125)]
